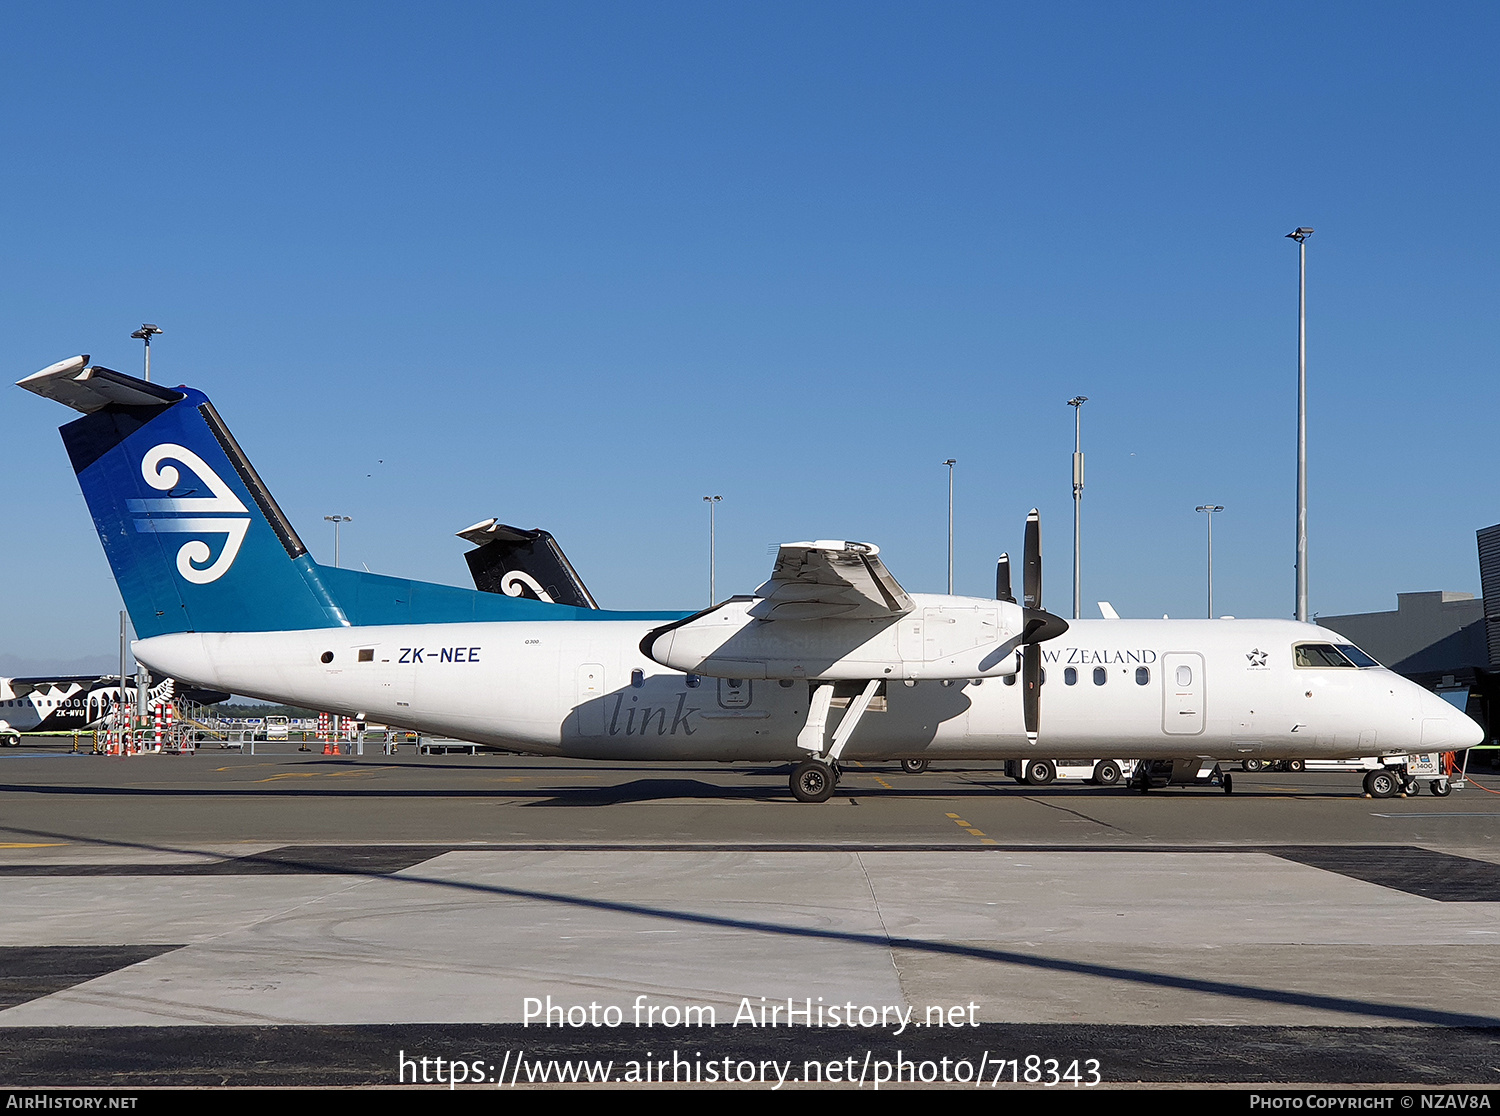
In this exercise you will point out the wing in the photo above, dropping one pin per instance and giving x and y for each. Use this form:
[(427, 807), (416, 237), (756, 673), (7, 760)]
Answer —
[(827, 580)]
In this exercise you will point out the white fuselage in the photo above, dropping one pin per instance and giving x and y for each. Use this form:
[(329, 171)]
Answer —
[(1141, 688)]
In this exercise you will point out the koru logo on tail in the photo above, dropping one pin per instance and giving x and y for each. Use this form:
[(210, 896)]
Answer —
[(516, 582), (188, 515)]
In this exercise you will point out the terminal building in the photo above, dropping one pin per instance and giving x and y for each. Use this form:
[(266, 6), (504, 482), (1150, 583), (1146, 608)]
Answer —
[(1446, 641)]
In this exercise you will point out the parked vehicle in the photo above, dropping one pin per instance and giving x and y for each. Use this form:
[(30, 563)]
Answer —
[(1040, 772)]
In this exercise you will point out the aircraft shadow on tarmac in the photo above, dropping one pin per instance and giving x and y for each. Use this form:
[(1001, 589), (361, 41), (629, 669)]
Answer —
[(738, 784), (1395, 1012)]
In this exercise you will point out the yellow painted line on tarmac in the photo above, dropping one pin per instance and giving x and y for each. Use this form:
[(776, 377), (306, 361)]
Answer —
[(244, 766), (883, 783), (323, 774), (19, 845), (983, 840)]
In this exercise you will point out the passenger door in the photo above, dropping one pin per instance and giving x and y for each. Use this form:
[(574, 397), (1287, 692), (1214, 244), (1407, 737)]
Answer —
[(1182, 693)]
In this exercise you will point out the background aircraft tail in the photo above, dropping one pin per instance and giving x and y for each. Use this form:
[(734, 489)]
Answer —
[(521, 563), (194, 538)]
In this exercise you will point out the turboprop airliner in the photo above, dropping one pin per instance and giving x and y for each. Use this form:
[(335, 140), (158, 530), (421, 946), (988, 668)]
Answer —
[(76, 702), (68, 704), (829, 660)]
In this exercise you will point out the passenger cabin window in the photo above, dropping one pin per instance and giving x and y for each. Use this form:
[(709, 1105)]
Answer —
[(1320, 655), (1142, 675), (1070, 677), (637, 678), (1101, 676), (1010, 679)]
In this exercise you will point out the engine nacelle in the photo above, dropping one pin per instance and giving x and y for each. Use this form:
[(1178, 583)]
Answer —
[(940, 638)]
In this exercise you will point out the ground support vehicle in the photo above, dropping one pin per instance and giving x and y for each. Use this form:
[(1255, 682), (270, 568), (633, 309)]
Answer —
[(1395, 775), (1384, 776), (1040, 772)]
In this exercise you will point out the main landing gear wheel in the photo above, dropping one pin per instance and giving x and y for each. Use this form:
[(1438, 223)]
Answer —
[(1382, 784), (914, 766), (813, 781), (11, 740), (1295, 765), (1254, 764), (1106, 773)]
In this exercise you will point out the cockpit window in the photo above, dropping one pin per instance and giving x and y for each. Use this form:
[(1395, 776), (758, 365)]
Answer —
[(1356, 656), (1320, 655)]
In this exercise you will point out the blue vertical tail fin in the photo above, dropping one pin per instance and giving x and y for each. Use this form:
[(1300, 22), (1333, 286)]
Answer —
[(193, 536)]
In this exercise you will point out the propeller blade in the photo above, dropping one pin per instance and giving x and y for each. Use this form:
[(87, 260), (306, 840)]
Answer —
[(1040, 625), (1031, 692), (1002, 580), (1031, 570)]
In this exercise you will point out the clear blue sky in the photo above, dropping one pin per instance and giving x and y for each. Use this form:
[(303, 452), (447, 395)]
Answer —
[(576, 265)]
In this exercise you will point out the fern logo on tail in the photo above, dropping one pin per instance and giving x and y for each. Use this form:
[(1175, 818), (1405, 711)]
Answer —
[(222, 513)]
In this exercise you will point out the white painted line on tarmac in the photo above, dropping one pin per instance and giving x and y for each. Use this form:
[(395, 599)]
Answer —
[(1490, 814)]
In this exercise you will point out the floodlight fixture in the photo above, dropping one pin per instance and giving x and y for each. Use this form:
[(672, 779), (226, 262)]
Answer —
[(145, 333)]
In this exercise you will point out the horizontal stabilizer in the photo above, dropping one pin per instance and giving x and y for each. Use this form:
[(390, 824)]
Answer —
[(89, 388)]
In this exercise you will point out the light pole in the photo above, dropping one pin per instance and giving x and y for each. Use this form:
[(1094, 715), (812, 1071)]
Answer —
[(1077, 403), (121, 715), (145, 333), (1300, 236), (952, 461), (1210, 509), (712, 503), (336, 520)]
